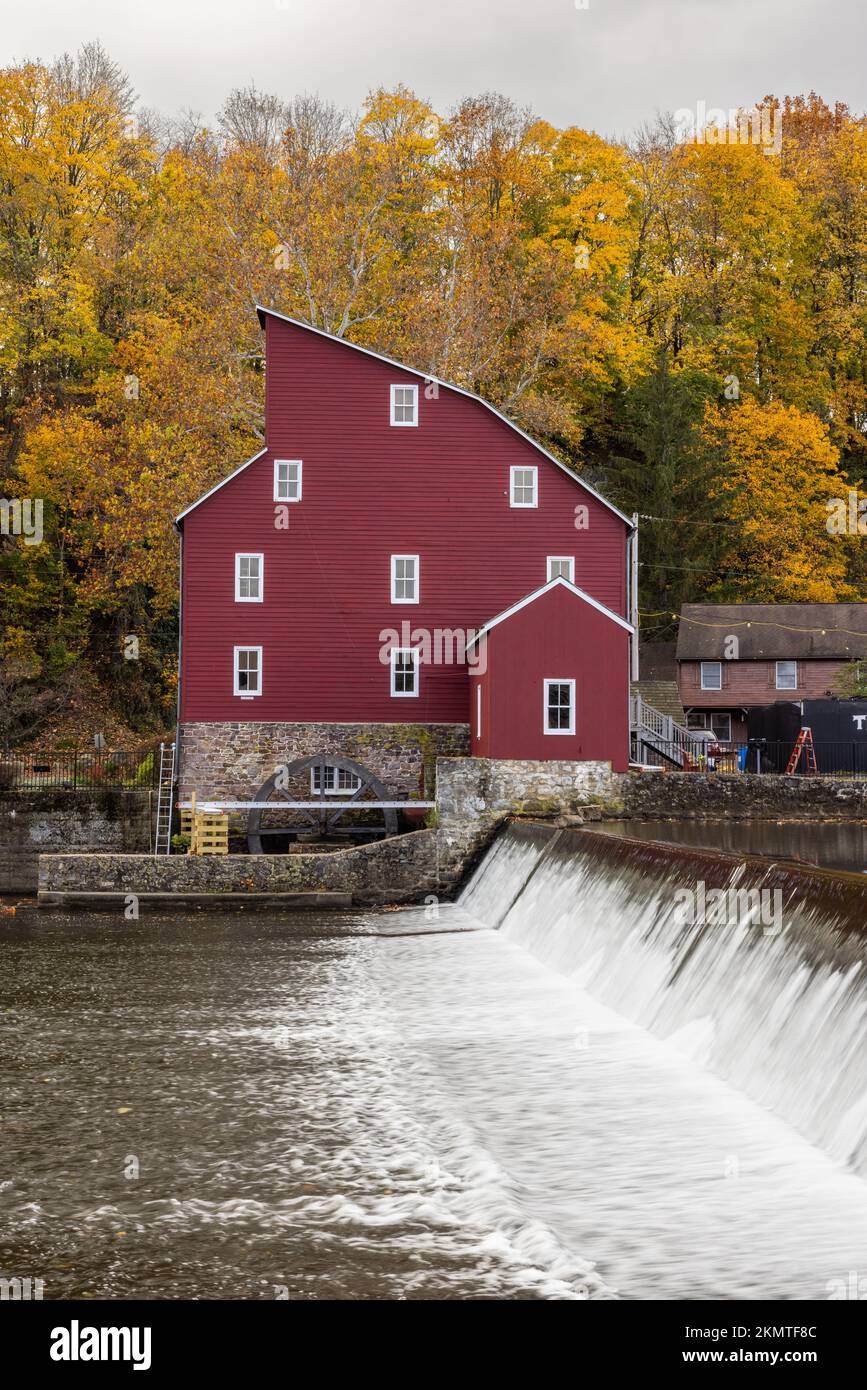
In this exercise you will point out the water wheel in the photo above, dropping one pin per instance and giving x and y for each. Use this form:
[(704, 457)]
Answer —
[(284, 790)]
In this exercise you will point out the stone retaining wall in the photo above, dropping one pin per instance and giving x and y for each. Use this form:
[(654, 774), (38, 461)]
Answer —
[(744, 795), (33, 823), (387, 871), (475, 795), (232, 760)]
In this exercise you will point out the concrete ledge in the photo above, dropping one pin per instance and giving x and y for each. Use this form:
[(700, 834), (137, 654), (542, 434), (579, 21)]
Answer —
[(213, 902)]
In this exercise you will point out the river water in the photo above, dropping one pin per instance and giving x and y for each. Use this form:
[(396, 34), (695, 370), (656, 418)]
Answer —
[(493, 1104)]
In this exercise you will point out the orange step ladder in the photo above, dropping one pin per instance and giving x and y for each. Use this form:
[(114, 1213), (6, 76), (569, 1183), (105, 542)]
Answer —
[(802, 742)]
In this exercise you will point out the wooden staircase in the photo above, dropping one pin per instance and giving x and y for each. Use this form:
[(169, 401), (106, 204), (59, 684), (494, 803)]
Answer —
[(659, 738)]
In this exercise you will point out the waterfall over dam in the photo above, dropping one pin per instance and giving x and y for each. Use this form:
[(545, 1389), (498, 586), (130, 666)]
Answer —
[(776, 1008)]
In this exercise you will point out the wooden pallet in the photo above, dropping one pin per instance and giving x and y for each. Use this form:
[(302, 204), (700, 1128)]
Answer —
[(211, 833), (208, 831)]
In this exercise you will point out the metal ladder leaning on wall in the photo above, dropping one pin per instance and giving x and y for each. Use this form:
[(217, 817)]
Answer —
[(165, 797)]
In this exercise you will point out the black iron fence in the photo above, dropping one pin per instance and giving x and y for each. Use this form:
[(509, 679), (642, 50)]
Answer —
[(130, 770), (842, 759)]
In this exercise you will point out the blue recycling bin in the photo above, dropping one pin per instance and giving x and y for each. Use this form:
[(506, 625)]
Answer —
[(742, 758)]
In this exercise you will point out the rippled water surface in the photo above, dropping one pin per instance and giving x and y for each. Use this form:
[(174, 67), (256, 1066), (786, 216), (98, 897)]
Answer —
[(377, 1116)]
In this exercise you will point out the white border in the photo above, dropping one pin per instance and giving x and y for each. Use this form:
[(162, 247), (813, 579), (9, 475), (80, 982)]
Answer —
[(558, 680), (249, 555), (788, 661), (403, 386), (417, 598), (246, 694)]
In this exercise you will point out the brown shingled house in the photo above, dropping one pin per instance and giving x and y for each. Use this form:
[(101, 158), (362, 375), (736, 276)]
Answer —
[(732, 657)]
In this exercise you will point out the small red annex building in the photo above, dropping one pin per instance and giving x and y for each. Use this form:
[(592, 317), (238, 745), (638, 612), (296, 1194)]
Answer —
[(549, 678)]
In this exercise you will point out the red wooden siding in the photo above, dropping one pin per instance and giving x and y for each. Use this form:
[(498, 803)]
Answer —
[(370, 490), (556, 637)]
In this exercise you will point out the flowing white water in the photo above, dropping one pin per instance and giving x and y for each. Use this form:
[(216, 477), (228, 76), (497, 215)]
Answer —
[(780, 1016), (621, 1071)]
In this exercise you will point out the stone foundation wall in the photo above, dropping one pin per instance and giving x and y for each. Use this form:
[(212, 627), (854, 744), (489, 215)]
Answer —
[(34, 823), (475, 795), (743, 795), (387, 871), (232, 760)]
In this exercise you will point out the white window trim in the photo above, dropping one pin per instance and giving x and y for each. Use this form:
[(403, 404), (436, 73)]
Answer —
[(334, 791), (558, 680), (246, 694), (417, 581), (523, 468), (249, 555), (277, 497), (478, 709), (404, 386), (561, 559), (405, 694), (702, 665), (788, 662)]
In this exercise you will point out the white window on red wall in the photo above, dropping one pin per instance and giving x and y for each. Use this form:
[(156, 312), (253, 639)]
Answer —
[(559, 708), (561, 567), (249, 578), (404, 672), (248, 672), (404, 579), (787, 675), (287, 480), (523, 486), (404, 405)]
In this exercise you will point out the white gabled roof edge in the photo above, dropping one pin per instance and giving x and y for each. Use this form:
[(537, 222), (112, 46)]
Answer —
[(461, 391), (537, 593), (216, 488)]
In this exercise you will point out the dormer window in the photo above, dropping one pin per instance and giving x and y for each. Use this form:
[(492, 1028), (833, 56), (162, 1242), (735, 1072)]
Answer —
[(404, 405)]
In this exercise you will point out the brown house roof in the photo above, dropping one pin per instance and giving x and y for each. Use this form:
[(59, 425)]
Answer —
[(773, 631)]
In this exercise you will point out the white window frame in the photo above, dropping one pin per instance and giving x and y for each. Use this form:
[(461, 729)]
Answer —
[(249, 555), (404, 694), (704, 684), (334, 789), (416, 579), (392, 400), (299, 464), (478, 709), (568, 561), (246, 694), (561, 680), (523, 468), (787, 662)]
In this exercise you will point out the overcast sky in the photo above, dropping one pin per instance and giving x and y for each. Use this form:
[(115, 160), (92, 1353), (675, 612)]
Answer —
[(607, 67)]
